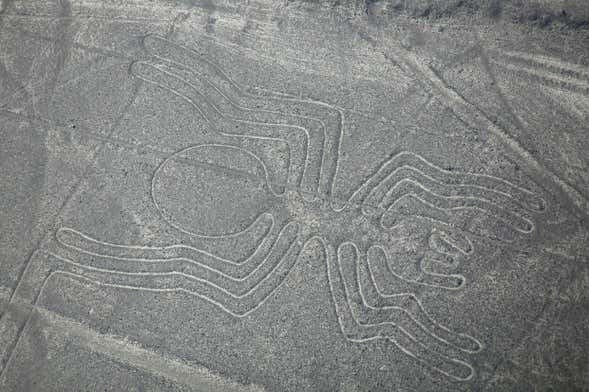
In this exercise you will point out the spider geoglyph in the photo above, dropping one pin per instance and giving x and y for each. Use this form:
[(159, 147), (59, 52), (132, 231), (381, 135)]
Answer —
[(226, 192)]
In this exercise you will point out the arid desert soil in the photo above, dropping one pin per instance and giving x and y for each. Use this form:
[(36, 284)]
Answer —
[(294, 195)]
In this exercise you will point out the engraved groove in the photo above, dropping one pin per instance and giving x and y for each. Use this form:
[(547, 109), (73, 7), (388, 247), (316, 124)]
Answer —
[(330, 139), (372, 291), (214, 94), (549, 71), (168, 277), (349, 302), (468, 183), (407, 187), (408, 175), (188, 259), (175, 156)]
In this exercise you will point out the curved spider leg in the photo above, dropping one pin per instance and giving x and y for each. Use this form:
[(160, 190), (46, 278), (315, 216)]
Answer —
[(345, 318), (236, 246), (208, 269), (249, 112), (409, 165), (187, 259), (331, 123), (348, 304), (404, 176), (414, 273), (520, 221), (324, 122), (405, 307), (261, 233), (405, 165), (219, 87), (238, 302), (450, 241), (194, 93), (446, 251), (442, 268)]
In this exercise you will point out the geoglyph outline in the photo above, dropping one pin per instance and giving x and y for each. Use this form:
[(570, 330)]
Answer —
[(325, 188)]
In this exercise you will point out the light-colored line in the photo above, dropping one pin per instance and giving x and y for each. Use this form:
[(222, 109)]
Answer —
[(234, 85), (190, 101), (75, 188), (330, 260), (169, 262), (436, 181), (30, 86), (459, 177), (90, 17), (452, 180), (468, 203), (420, 306), (237, 299), (411, 337), (333, 164), (211, 123), (160, 249), (121, 349), (447, 238), (548, 79), (459, 277), (474, 117), (155, 202), (341, 203), (549, 65)]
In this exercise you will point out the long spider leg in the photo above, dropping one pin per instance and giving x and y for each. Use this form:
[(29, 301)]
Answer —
[(466, 183), (343, 281), (194, 268), (450, 219), (410, 309), (159, 75), (238, 121), (261, 232), (238, 305), (219, 86), (491, 184), (348, 325), (162, 77), (323, 121), (247, 108), (431, 200), (196, 263), (403, 175)]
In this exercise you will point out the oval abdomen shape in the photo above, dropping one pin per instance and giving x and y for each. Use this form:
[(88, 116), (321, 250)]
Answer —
[(212, 190)]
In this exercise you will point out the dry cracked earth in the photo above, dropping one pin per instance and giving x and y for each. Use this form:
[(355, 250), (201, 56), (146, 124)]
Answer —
[(264, 195)]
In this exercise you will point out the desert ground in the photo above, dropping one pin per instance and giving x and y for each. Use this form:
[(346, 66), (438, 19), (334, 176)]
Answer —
[(265, 195)]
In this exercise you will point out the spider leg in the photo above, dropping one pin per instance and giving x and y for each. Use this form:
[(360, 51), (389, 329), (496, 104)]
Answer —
[(408, 185), (451, 242), (231, 128), (320, 122), (359, 324), (187, 256), (430, 200), (411, 274), (176, 258), (407, 309), (446, 251), (231, 114), (237, 296)]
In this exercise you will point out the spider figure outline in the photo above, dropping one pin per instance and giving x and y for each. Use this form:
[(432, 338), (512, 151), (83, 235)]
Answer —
[(239, 198)]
